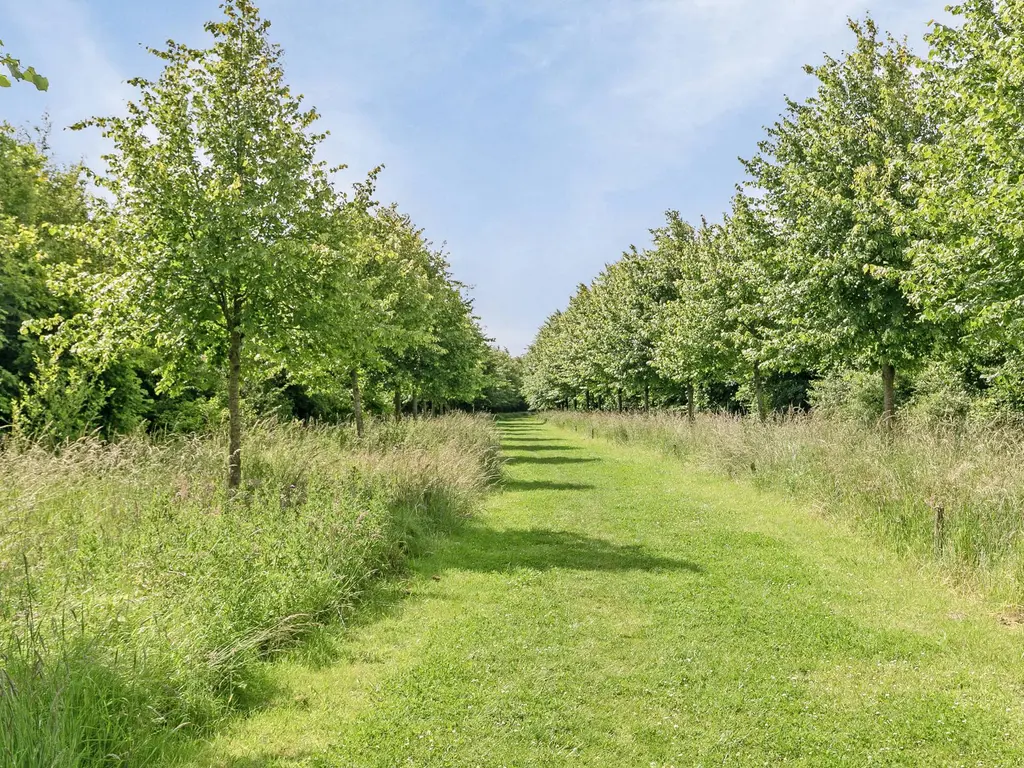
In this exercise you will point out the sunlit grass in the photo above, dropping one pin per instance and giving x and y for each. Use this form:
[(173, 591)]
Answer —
[(614, 607), (892, 487)]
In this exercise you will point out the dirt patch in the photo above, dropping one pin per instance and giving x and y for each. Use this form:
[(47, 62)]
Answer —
[(1013, 617)]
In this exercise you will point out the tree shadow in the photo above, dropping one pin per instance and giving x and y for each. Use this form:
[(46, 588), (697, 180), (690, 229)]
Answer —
[(537, 447), (544, 485), (548, 460), (487, 550), (528, 438), (506, 440)]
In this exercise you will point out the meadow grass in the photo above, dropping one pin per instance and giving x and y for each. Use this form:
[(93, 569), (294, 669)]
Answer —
[(951, 494), (613, 606), (137, 601)]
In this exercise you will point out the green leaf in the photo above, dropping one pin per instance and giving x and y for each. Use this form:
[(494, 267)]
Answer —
[(31, 76)]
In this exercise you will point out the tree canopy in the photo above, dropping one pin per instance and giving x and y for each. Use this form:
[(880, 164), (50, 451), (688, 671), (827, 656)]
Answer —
[(221, 269), (876, 229)]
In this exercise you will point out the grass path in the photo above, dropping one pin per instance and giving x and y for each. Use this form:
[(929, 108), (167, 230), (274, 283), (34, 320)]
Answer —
[(612, 607)]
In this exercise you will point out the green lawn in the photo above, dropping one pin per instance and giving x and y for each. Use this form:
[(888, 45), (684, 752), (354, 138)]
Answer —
[(612, 607)]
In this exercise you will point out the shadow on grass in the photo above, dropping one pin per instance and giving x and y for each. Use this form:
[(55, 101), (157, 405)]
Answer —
[(548, 460), (538, 447), (543, 485), (528, 438), (488, 550)]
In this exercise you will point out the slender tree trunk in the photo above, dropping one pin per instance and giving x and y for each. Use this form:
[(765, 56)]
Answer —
[(647, 398), (398, 404), (234, 409), (415, 405), (691, 406), (619, 394), (762, 408), (357, 402), (433, 408), (888, 396), (586, 399)]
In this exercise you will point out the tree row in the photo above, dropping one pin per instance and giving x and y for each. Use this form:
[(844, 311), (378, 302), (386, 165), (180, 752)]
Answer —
[(878, 230), (215, 264)]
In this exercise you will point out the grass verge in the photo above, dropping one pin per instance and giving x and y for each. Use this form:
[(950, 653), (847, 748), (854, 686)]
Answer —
[(955, 496), (137, 601)]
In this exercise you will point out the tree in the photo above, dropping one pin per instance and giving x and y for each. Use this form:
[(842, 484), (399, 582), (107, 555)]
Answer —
[(216, 230), (968, 265), (626, 301), (502, 383), (395, 274), (35, 196), (834, 175), (549, 380), (691, 346), (749, 280)]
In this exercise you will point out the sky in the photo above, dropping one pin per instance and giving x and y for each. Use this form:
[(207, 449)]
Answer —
[(536, 139)]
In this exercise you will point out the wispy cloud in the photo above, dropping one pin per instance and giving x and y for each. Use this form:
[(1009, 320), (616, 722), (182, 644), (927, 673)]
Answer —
[(60, 39), (637, 89)]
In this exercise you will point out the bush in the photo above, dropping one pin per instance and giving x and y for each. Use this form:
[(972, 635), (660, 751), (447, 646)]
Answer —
[(137, 600), (941, 399)]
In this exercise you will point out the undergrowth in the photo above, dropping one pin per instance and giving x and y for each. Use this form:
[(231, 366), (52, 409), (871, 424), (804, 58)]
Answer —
[(954, 495), (137, 601)]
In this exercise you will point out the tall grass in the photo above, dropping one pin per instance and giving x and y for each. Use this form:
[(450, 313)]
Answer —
[(137, 600), (953, 494)]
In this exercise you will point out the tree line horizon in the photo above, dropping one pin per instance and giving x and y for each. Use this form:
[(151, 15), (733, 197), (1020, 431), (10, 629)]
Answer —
[(877, 232)]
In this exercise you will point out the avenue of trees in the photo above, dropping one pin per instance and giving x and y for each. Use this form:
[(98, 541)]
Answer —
[(218, 269), (873, 254)]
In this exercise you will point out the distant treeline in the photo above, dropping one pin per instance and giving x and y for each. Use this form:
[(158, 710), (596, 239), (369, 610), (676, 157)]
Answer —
[(873, 259)]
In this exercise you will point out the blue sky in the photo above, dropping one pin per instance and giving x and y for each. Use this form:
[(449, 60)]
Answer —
[(538, 138)]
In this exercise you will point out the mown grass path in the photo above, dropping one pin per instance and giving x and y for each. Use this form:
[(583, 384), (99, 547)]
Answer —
[(611, 607)]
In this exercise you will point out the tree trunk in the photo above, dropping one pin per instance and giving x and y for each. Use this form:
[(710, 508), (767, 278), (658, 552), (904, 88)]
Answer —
[(415, 405), (433, 408), (234, 410), (398, 404), (357, 403), (762, 408), (620, 399), (691, 406), (586, 400), (888, 395), (647, 398)]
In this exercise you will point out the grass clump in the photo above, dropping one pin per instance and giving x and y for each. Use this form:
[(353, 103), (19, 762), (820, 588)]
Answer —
[(950, 494), (137, 600)]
